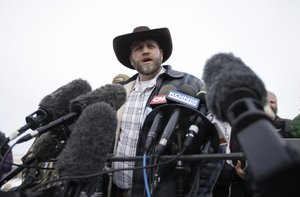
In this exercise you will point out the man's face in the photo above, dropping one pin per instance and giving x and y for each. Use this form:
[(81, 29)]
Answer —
[(273, 102), (146, 57)]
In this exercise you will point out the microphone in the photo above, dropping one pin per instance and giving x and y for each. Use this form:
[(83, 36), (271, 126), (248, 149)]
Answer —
[(203, 105), (228, 79), (180, 98), (192, 131), (157, 100), (53, 105), (113, 94), (46, 147), (237, 95), (89, 143)]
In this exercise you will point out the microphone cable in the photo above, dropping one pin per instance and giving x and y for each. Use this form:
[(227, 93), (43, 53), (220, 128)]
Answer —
[(145, 175), (66, 178), (29, 166)]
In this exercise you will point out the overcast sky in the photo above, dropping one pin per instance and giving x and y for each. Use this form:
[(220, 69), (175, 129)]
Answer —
[(45, 44)]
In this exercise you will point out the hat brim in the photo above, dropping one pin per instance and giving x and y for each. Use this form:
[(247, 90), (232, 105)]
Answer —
[(122, 44)]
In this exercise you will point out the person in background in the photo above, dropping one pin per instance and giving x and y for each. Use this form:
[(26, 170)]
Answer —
[(120, 78), (143, 50), (7, 164), (282, 124)]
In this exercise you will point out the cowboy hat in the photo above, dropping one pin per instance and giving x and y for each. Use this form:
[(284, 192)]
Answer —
[(122, 44)]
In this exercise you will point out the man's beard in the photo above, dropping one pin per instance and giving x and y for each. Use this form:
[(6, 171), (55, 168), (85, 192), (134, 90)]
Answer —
[(149, 69)]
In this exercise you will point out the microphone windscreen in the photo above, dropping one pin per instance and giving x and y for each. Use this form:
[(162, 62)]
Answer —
[(57, 103), (113, 94), (89, 143), (223, 74), (166, 89), (46, 147), (187, 89)]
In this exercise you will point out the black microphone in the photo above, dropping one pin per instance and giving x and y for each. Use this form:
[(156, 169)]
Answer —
[(237, 95), (53, 105), (87, 148), (192, 131), (180, 98), (113, 94), (157, 100), (203, 105), (227, 79)]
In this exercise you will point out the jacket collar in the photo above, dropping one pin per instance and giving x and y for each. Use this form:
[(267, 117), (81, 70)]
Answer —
[(169, 71)]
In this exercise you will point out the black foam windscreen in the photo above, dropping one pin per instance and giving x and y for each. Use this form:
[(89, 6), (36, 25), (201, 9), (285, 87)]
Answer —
[(53, 106), (227, 79), (90, 142), (57, 103), (113, 94)]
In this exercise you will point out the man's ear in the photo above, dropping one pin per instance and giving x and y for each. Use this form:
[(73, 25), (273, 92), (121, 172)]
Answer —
[(130, 59), (161, 54)]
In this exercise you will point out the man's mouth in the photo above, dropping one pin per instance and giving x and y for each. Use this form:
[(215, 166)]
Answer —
[(145, 60)]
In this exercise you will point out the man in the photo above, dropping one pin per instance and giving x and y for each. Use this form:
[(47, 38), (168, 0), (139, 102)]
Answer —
[(143, 50), (283, 124), (7, 164), (120, 78)]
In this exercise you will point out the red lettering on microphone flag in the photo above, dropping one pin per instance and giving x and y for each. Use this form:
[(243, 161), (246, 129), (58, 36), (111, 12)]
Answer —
[(158, 99)]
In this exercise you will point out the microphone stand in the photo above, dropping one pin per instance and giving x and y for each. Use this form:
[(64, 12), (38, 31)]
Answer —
[(191, 157), (179, 170)]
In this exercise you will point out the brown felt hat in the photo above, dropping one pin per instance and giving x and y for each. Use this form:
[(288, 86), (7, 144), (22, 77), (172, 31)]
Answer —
[(123, 43)]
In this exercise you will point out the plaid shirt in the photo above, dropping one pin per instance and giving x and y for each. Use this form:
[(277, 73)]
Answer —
[(134, 114)]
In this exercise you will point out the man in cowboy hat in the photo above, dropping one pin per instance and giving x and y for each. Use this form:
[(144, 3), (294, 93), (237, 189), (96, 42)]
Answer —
[(144, 50)]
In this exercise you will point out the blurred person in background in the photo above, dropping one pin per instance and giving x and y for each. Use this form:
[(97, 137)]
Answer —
[(120, 78), (282, 124), (7, 164)]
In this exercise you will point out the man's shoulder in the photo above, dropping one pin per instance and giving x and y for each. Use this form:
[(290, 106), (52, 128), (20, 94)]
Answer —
[(278, 118), (177, 73)]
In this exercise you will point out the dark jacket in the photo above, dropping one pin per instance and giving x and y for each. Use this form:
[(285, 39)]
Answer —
[(284, 126), (7, 165), (167, 185)]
